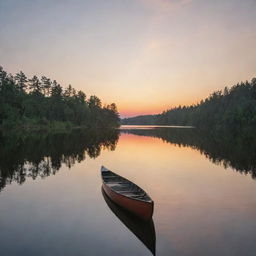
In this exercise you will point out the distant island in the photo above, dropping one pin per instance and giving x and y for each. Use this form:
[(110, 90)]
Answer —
[(232, 107), (40, 103)]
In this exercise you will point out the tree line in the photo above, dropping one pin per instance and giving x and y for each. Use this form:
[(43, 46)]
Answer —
[(235, 106), (41, 101)]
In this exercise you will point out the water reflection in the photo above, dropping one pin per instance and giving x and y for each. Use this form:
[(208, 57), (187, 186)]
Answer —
[(144, 231), (41, 154), (200, 209), (230, 149)]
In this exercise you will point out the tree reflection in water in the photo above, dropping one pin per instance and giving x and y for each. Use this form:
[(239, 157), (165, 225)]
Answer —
[(41, 155), (235, 149)]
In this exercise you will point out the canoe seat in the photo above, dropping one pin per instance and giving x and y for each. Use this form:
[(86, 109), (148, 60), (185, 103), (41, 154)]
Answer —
[(124, 186)]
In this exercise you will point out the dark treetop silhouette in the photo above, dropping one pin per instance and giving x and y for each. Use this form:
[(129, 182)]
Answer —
[(41, 102)]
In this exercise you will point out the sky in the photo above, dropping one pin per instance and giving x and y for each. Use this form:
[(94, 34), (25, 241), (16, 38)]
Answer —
[(145, 55)]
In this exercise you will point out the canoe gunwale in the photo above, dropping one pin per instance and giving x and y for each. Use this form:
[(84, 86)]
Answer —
[(150, 201), (131, 198)]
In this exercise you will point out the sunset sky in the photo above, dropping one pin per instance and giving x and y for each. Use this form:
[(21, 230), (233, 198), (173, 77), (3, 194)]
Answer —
[(144, 55)]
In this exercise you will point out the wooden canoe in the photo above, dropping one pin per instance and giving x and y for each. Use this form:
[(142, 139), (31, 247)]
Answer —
[(127, 194)]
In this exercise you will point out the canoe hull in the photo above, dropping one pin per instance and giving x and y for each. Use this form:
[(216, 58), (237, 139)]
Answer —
[(142, 209)]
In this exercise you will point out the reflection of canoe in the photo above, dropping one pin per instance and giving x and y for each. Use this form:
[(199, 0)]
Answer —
[(127, 194), (144, 230)]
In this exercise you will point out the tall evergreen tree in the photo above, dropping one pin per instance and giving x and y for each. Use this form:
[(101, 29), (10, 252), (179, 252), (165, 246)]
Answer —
[(35, 85), (21, 81), (46, 85)]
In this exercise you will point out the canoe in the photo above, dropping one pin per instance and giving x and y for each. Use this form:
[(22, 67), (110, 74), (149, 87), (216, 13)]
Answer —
[(127, 194), (143, 230)]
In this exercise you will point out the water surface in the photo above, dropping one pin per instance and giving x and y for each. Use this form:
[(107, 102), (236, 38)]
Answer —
[(203, 187)]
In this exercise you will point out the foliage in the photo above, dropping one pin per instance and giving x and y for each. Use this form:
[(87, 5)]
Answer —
[(42, 102)]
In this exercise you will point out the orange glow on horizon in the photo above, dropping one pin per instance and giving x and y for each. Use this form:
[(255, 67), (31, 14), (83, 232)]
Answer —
[(131, 113), (131, 110), (137, 109)]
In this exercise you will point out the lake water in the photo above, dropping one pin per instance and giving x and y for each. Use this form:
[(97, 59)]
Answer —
[(204, 192)]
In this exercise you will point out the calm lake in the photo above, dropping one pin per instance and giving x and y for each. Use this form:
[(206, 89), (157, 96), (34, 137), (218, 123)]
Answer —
[(203, 187)]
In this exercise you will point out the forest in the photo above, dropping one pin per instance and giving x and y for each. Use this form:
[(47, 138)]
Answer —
[(32, 103), (232, 107)]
